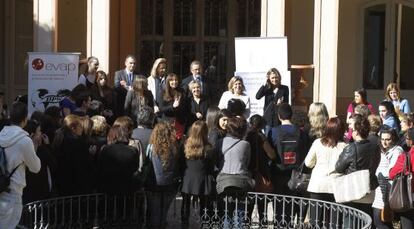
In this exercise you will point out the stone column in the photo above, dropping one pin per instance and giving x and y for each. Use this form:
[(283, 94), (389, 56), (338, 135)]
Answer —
[(98, 31), (273, 18), (44, 25), (325, 53)]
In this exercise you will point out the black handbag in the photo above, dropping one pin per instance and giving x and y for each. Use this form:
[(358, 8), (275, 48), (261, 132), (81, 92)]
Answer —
[(299, 180), (400, 198)]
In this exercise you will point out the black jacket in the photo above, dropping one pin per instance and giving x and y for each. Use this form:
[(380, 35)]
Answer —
[(360, 155), (197, 107), (117, 164), (205, 87), (270, 107)]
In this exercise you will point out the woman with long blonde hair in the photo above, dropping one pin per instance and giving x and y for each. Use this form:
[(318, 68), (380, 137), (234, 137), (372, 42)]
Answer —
[(163, 154), (156, 81), (401, 105), (318, 116), (198, 180)]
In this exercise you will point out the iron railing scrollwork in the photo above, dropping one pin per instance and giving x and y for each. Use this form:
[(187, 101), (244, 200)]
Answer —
[(251, 210)]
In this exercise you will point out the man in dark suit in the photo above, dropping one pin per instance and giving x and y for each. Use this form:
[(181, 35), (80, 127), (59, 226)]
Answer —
[(123, 82), (196, 69)]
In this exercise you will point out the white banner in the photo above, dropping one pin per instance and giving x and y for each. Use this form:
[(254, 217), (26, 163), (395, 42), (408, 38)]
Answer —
[(254, 57), (49, 75)]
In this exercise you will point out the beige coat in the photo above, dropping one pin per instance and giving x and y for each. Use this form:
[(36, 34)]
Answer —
[(322, 159)]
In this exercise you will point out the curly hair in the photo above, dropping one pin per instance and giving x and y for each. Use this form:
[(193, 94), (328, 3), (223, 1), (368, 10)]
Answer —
[(361, 125), (99, 126), (163, 142), (197, 143)]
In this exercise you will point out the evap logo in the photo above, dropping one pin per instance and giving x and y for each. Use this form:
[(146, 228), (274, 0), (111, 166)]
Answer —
[(38, 64)]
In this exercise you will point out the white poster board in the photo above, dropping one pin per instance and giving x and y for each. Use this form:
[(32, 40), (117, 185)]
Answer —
[(254, 57), (49, 74)]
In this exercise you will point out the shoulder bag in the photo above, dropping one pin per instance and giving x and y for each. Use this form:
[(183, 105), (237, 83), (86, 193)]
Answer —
[(400, 198), (353, 186), (299, 180)]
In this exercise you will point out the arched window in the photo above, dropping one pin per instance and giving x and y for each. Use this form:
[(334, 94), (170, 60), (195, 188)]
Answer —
[(388, 44)]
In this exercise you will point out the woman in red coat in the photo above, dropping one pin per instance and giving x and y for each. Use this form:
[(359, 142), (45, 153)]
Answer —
[(407, 218)]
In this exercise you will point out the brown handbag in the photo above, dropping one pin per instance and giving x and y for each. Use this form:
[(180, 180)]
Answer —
[(400, 198)]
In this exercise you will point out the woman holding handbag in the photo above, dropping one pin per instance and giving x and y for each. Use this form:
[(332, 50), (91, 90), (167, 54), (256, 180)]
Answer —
[(234, 159), (322, 157), (357, 156), (406, 218), (389, 154)]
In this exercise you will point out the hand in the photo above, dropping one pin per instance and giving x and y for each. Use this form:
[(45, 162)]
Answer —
[(123, 83), (280, 100), (176, 103), (45, 139), (199, 115), (156, 109)]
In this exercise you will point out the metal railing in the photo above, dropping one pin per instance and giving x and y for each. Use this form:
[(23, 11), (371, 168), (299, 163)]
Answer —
[(251, 210)]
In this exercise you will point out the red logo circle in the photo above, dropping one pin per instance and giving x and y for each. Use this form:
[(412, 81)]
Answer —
[(37, 64)]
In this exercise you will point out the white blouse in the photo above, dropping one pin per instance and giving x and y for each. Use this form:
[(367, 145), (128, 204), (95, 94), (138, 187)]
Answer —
[(227, 95)]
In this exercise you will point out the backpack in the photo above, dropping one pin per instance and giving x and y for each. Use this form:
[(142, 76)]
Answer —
[(288, 148), (4, 174)]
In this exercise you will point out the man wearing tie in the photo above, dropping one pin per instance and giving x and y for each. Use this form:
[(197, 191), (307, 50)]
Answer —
[(196, 69), (123, 82)]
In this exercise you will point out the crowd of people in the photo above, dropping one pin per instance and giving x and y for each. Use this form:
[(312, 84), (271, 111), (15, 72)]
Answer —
[(163, 135)]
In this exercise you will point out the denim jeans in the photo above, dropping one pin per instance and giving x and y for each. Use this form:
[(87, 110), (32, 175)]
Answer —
[(10, 210)]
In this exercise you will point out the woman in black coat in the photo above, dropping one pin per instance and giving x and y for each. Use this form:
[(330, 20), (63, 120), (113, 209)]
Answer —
[(174, 106), (275, 93), (198, 104), (360, 155), (118, 163), (75, 166), (198, 179)]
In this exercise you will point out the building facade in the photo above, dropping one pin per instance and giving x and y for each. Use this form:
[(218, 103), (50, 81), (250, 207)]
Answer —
[(350, 43)]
